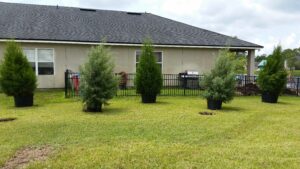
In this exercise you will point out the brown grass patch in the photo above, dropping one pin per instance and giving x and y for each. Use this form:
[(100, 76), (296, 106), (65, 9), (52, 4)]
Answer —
[(207, 113), (29, 154)]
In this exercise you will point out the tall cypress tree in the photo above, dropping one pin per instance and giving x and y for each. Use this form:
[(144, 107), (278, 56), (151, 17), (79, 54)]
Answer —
[(148, 78)]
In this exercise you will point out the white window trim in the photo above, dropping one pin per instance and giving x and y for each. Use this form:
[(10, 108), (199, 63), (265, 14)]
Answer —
[(37, 61), (162, 59)]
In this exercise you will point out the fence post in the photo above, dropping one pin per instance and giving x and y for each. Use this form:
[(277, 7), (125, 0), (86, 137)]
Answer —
[(184, 84), (298, 83), (244, 83), (66, 83)]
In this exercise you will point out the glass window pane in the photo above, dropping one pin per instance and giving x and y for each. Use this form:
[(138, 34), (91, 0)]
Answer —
[(45, 55), (30, 54), (138, 55), (158, 56), (46, 68)]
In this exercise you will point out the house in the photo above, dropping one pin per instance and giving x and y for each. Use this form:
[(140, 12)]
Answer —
[(56, 38), (261, 64)]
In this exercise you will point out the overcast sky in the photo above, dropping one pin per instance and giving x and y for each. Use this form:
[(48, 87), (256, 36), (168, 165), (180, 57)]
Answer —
[(265, 22)]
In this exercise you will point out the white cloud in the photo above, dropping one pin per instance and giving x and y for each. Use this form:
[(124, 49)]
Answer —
[(290, 40)]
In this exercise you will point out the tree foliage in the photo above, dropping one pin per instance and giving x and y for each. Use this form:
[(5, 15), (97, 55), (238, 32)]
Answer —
[(98, 83), (260, 58), (17, 77), (290, 56), (148, 78), (219, 84), (273, 77), (239, 62)]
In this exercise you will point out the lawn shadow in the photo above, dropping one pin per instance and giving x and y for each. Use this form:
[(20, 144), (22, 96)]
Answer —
[(108, 111), (284, 103), (158, 103), (231, 109), (12, 107), (7, 119)]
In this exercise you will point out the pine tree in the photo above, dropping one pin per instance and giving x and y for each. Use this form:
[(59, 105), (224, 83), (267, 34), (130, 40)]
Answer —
[(273, 77), (98, 83), (219, 84), (17, 77)]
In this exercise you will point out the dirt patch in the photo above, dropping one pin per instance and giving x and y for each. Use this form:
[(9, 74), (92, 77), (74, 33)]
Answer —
[(7, 119), (29, 154), (207, 113), (249, 89)]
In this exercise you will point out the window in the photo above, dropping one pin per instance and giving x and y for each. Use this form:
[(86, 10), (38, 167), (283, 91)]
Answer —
[(41, 60), (30, 54), (158, 56), (45, 62)]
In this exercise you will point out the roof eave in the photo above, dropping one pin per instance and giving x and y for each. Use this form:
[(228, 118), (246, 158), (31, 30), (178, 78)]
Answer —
[(133, 44)]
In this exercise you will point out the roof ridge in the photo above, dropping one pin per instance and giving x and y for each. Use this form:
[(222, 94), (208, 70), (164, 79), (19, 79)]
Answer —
[(70, 7)]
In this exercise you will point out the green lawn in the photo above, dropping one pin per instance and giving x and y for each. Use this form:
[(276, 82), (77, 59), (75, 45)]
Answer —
[(169, 134), (296, 73)]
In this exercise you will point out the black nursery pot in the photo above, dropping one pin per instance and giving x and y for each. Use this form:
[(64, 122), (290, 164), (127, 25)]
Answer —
[(214, 104), (24, 101), (268, 97), (148, 98)]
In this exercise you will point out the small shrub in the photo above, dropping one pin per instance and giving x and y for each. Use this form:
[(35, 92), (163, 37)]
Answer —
[(148, 78), (273, 77), (17, 77), (219, 84), (98, 82)]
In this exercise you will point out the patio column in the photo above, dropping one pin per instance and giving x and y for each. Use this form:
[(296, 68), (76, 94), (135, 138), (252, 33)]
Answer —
[(250, 62)]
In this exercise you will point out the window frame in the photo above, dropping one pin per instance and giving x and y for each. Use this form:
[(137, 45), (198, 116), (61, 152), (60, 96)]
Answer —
[(162, 59), (36, 61)]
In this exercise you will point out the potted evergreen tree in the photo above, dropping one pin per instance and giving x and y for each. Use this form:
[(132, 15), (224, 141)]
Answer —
[(17, 77), (273, 77), (98, 82), (219, 84), (148, 78)]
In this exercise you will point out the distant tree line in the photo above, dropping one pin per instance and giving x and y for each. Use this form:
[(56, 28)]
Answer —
[(292, 58)]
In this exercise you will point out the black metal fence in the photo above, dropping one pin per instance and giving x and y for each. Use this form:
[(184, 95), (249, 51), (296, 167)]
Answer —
[(178, 85)]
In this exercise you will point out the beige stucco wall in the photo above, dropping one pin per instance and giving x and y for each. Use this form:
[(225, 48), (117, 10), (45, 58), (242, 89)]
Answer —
[(67, 56)]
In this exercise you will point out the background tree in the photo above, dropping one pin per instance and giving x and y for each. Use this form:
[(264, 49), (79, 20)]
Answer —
[(148, 78), (239, 61), (98, 83), (260, 58), (219, 84), (292, 58), (273, 77), (17, 77)]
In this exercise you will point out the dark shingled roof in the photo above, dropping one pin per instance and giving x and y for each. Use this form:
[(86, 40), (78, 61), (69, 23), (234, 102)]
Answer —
[(39, 22)]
